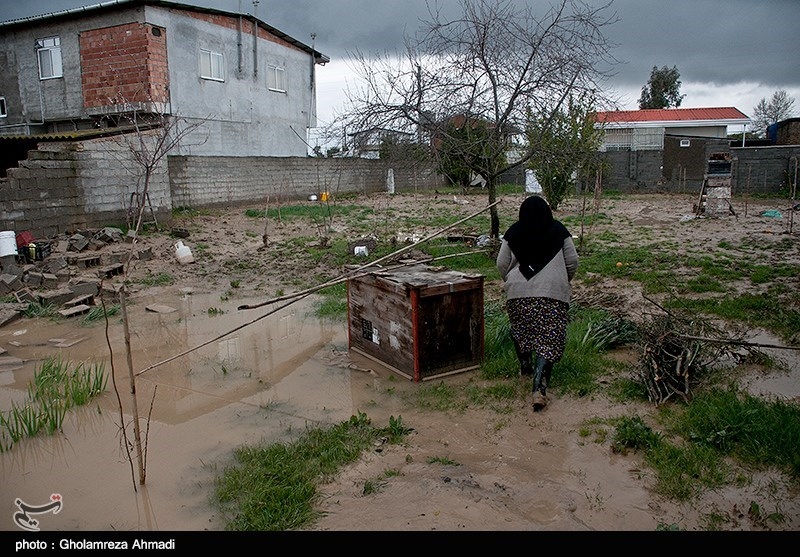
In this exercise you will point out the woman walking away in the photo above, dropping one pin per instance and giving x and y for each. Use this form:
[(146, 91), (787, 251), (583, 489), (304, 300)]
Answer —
[(537, 261)]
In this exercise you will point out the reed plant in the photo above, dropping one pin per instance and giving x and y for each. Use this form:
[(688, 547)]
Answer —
[(57, 386)]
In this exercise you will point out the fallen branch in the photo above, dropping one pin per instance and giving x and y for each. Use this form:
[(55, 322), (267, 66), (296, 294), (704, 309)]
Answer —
[(741, 342), (349, 276)]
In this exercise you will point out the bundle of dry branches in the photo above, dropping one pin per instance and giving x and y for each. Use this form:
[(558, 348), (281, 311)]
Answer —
[(675, 351)]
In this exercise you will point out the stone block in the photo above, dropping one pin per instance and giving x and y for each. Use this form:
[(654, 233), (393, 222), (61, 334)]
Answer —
[(85, 288), (56, 297), (110, 293), (75, 310), (34, 279), (78, 242), (49, 280), (145, 254), (9, 283), (26, 295), (55, 264)]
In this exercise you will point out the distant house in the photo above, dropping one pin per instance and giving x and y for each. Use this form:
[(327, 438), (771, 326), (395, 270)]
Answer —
[(250, 85), (637, 130), (368, 143), (664, 149)]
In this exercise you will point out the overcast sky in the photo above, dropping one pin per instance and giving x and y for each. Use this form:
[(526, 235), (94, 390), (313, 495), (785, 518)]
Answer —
[(728, 52)]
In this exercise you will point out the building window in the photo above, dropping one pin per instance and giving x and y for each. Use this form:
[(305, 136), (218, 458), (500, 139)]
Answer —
[(617, 139), (3, 111), (212, 65), (49, 53), (276, 78)]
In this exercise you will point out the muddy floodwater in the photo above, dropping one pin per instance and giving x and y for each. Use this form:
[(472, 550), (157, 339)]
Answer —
[(211, 378), (275, 375)]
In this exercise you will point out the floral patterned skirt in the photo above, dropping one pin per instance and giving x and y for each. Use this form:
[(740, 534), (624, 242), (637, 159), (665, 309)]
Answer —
[(539, 325)]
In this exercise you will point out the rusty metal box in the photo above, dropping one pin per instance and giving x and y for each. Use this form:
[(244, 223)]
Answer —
[(419, 321)]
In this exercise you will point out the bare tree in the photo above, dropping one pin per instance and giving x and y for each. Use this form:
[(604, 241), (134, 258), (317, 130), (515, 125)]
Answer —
[(490, 69), (150, 136), (779, 107)]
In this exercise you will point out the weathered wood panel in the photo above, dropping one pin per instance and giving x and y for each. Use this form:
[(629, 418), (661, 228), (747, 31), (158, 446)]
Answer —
[(419, 321)]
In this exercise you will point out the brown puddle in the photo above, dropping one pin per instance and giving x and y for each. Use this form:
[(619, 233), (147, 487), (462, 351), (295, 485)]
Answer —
[(275, 375)]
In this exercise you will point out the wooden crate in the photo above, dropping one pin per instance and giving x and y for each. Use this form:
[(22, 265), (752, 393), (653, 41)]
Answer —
[(418, 321)]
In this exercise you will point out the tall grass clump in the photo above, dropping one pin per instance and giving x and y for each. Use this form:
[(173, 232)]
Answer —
[(499, 356), (56, 387), (589, 334)]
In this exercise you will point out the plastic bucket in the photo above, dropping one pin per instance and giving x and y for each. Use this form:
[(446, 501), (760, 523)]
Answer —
[(8, 243), (183, 253)]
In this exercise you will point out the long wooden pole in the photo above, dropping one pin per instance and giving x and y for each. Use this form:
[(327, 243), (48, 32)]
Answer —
[(376, 262), (308, 292)]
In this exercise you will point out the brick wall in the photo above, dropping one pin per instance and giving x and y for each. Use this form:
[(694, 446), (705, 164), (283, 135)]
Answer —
[(124, 64), (788, 132)]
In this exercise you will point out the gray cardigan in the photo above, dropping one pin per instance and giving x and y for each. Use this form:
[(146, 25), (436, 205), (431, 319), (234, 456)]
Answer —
[(551, 282)]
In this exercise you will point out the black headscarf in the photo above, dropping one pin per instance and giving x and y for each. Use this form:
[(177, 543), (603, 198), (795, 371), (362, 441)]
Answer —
[(536, 237)]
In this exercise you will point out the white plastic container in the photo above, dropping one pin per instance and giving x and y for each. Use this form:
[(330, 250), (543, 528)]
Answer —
[(183, 253), (8, 243)]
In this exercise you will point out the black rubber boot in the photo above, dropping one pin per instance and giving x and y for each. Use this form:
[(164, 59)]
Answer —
[(546, 371), (539, 373), (540, 376), (525, 360)]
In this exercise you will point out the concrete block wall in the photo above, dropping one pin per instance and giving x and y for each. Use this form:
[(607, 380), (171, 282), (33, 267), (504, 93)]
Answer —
[(633, 171), (764, 169), (64, 186), (213, 181)]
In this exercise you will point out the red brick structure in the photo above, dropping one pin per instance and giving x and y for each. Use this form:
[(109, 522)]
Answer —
[(124, 64)]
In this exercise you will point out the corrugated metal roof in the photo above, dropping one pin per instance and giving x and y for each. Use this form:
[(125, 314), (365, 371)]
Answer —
[(75, 135), (122, 4), (675, 116)]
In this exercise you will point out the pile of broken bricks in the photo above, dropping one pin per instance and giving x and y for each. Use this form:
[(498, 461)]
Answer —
[(69, 275)]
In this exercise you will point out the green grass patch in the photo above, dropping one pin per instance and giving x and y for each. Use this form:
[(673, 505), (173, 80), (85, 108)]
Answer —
[(273, 487), (99, 312), (159, 279), (755, 310), (756, 432)]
